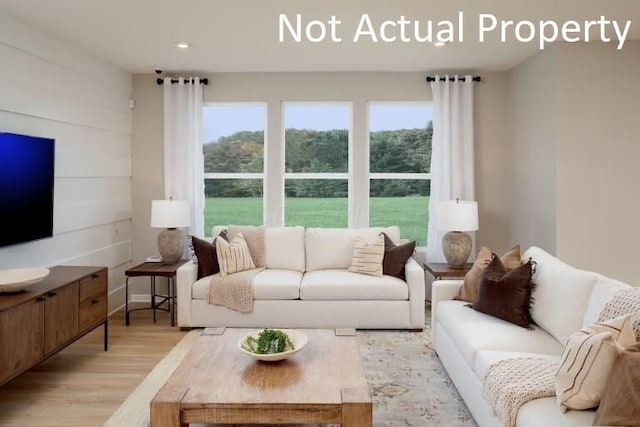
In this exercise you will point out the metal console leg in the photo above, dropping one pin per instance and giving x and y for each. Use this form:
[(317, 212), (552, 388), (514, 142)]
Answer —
[(153, 297), (126, 302)]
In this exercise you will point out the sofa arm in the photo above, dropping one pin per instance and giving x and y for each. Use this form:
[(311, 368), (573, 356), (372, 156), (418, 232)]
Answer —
[(442, 290), (414, 275), (186, 276)]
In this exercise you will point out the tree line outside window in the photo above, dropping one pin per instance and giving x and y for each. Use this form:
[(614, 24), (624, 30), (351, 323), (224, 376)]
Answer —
[(317, 145)]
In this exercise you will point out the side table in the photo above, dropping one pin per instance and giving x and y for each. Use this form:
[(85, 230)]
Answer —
[(441, 270), (153, 270)]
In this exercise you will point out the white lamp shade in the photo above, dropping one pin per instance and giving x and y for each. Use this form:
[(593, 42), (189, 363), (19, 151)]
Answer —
[(170, 213), (458, 215)]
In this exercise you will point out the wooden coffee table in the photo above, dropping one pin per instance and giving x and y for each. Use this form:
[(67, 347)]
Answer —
[(217, 383)]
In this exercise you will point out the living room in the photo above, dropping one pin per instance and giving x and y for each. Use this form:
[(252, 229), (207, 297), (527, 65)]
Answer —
[(554, 128)]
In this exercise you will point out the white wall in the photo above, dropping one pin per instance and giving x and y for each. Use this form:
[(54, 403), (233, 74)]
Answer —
[(575, 126), (52, 89), (598, 100), (532, 124)]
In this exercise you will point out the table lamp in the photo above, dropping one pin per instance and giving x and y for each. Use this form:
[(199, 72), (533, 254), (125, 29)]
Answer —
[(456, 217), (170, 214)]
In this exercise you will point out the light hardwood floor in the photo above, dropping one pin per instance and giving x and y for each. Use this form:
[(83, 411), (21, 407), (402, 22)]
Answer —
[(83, 385)]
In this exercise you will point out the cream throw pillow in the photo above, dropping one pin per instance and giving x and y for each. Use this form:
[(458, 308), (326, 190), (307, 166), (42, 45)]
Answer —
[(368, 252), (233, 256), (587, 361)]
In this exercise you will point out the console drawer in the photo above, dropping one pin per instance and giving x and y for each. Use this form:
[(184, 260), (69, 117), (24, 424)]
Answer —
[(92, 310), (93, 286)]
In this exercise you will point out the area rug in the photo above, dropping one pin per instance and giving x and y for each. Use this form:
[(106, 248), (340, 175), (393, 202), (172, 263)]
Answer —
[(409, 386)]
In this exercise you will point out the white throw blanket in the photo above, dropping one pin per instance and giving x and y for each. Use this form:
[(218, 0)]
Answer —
[(510, 383)]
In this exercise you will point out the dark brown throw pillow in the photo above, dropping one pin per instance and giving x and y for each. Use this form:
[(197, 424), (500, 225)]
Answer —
[(206, 254), (506, 294), (469, 289), (620, 402), (395, 257)]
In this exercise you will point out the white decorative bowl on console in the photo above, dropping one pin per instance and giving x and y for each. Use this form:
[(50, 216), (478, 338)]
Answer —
[(18, 279)]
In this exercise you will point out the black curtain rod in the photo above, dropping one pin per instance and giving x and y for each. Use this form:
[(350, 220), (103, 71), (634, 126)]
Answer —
[(204, 81), (451, 79)]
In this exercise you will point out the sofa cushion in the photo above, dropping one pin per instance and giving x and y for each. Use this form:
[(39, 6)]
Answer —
[(233, 256), (602, 292), (505, 295), (469, 289), (560, 295), (205, 253), (269, 284), (396, 256), (254, 236), (345, 285), (368, 252), (587, 361), (332, 248), (285, 248), (472, 331), (546, 412), (620, 403)]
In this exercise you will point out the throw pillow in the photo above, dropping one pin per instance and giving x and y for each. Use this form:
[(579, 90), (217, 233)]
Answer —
[(620, 403), (506, 294), (254, 236), (623, 302), (469, 290), (587, 361), (368, 252), (233, 256), (205, 254), (395, 257)]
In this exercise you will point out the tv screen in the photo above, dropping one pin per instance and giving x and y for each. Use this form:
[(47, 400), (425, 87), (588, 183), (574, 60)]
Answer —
[(26, 188)]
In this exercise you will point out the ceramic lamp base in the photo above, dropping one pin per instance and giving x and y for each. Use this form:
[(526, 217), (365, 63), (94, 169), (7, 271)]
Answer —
[(171, 245), (456, 247)]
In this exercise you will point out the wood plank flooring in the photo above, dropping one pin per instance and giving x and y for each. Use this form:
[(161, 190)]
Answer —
[(83, 385)]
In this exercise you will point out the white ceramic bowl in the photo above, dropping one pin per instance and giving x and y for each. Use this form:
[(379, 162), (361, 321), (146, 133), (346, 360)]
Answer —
[(298, 339), (18, 279)]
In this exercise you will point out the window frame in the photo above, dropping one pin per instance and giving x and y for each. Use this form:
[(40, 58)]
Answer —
[(348, 175), (243, 175)]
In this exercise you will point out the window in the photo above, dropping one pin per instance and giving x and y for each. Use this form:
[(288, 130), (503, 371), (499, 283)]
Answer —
[(399, 160), (317, 139), (233, 163)]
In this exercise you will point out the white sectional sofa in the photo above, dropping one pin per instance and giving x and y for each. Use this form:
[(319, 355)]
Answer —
[(306, 284), (468, 342)]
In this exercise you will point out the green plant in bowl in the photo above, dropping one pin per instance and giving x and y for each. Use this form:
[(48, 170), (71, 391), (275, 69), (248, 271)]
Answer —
[(269, 341), (272, 344)]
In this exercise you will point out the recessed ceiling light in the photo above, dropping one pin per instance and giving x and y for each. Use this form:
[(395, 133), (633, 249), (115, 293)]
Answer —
[(183, 45), (438, 44)]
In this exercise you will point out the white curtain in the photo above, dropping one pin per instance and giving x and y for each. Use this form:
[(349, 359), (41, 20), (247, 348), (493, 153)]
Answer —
[(452, 174), (183, 158)]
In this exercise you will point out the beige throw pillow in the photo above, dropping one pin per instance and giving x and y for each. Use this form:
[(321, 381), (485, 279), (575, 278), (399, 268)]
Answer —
[(368, 252), (469, 290), (254, 236), (233, 256), (587, 361)]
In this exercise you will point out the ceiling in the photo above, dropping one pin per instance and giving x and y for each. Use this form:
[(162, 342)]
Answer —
[(242, 35)]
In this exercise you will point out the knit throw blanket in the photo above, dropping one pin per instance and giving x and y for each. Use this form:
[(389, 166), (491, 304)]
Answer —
[(510, 383), (234, 291)]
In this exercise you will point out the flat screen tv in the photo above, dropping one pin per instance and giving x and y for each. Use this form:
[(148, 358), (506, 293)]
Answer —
[(26, 188)]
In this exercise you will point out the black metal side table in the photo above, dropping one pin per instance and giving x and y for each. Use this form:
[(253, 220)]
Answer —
[(153, 270)]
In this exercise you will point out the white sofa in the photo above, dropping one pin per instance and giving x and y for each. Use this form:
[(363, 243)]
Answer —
[(306, 284), (468, 342)]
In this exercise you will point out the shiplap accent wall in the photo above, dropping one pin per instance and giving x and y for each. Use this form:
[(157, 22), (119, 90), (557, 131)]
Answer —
[(51, 88)]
